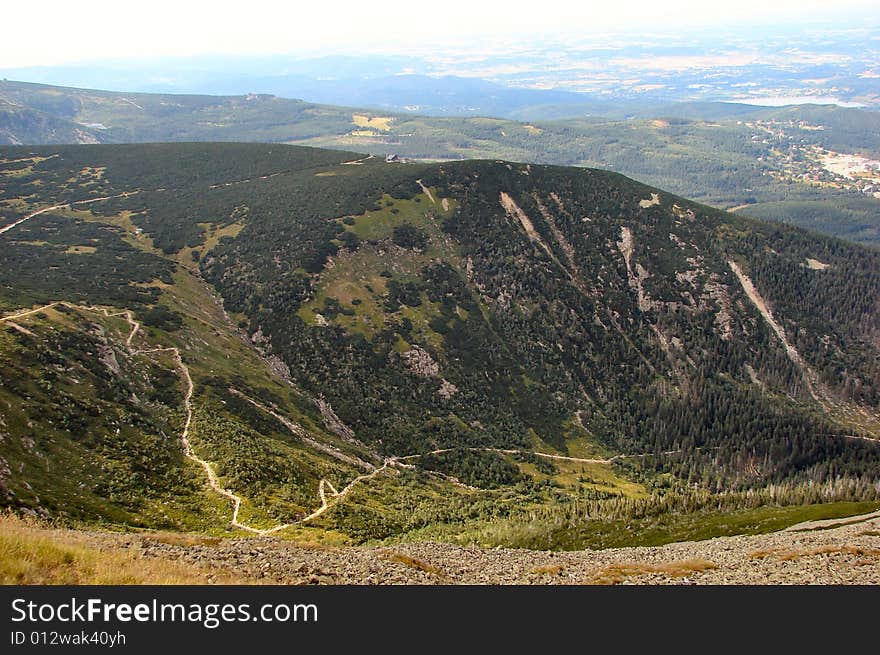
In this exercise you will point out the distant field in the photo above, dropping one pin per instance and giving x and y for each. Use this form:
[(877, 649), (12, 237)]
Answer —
[(382, 123)]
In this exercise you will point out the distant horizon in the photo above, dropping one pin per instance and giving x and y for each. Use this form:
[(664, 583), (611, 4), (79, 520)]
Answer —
[(106, 35), (485, 59), (757, 102)]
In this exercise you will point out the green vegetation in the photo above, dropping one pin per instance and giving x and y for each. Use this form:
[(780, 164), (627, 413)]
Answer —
[(499, 307), (720, 154), (695, 524), (39, 270), (476, 468)]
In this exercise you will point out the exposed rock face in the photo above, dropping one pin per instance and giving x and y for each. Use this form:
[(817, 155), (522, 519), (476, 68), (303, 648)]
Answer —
[(650, 202), (106, 354), (259, 338), (333, 422), (419, 362), (447, 389)]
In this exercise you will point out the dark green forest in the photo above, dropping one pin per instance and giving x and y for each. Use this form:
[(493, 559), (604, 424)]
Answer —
[(466, 307), (716, 153)]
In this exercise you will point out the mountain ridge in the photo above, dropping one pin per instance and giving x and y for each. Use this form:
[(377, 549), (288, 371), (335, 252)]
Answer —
[(766, 162), (465, 318)]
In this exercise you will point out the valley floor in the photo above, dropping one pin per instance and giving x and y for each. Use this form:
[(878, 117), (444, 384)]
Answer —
[(835, 551)]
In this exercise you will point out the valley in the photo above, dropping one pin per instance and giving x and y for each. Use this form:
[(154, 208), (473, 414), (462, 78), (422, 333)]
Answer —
[(234, 340)]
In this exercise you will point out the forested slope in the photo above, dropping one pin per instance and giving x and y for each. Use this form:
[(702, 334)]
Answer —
[(463, 319), (727, 155)]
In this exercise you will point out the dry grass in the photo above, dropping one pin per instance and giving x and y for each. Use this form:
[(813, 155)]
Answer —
[(32, 553), (550, 569), (414, 563), (789, 554), (617, 573)]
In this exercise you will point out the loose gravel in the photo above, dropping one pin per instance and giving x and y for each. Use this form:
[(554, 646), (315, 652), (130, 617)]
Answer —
[(844, 551)]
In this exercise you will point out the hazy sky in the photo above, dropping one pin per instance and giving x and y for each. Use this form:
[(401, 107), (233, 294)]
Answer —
[(53, 32)]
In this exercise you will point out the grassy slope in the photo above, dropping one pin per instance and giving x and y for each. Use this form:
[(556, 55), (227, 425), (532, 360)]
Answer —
[(31, 553)]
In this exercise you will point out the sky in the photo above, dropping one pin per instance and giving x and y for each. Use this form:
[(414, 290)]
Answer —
[(54, 32)]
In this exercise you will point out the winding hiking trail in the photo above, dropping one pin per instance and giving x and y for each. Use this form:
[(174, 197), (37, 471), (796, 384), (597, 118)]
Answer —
[(133, 324), (250, 179), (324, 485), (510, 451), (328, 494), (357, 162), (427, 192), (213, 480), (45, 210)]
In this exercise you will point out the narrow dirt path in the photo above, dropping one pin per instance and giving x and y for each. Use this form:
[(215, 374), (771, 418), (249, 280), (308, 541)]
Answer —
[(357, 162), (338, 496), (13, 317), (509, 451), (29, 217), (538, 453), (427, 192), (250, 179), (213, 480), (826, 524), (6, 228), (133, 324)]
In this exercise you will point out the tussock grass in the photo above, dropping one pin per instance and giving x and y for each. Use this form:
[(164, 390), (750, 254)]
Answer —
[(550, 569), (617, 573), (789, 554), (32, 553), (415, 563)]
